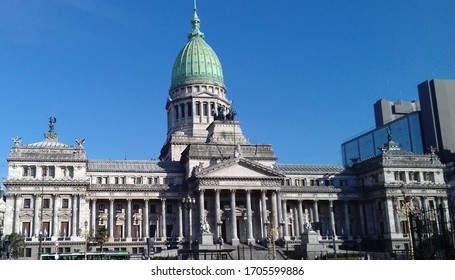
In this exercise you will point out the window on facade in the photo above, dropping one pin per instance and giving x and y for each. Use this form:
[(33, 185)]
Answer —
[(118, 208), (150, 180), (116, 180), (33, 171), (152, 208), (176, 111), (99, 180), (288, 182), (413, 176), (136, 208), (101, 208), (169, 208), (428, 176), (182, 109), (44, 170), (137, 180), (25, 171), (27, 203), (46, 203), (71, 171), (198, 108), (205, 109), (52, 171), (312, 182), (65, 203), (189, 109), (431, 204), (156, 181), (297, 182), (28, 252)]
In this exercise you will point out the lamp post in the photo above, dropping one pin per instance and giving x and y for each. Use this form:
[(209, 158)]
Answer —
[(86, 239), (189, 202)]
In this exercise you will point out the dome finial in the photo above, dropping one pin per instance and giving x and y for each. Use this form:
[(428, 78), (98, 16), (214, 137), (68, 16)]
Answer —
[(196, 23)]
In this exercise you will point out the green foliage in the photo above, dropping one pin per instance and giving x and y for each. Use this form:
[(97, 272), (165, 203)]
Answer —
[(16, 243), (101, 236)]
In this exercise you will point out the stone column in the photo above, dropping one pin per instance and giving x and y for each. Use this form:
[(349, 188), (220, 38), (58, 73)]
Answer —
[(275, 224), (264, 214), (300, 207), (316, 214), (445, 208), (389, 214), (145, 220), (218, 213), (74, 216), (280, 220), (249, 216), (36, 219), (111, 219), (296, 222), (128, 218), (332, 218), (235, 239), (180, 221), (17, 222), (285, 219), (93, 213), (201, 206), (347, 228), (55, 220), (163, 221)]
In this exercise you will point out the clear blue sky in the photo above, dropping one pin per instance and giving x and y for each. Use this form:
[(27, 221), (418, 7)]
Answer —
[(302, 75)]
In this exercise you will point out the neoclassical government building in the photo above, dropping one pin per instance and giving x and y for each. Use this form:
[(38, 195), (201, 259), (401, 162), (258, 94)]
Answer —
[(209, 174)]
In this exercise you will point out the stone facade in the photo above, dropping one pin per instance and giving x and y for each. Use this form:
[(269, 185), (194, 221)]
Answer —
[(210, 176)]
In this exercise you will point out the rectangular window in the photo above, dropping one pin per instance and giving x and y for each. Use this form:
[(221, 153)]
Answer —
[(99, 180), (189, 109), (176, 111), (44, 170), (71, 172), (52, 171), (152, 208), (28, 252), (46, 203), (25, 171), (182, 110), (33, 171), (27, 202), (198, 108), (118, 208), (205, 109), (156, 181), (116, 180), (101, 208), (139, 180), (65, 203), (149, 180), (136, 208)]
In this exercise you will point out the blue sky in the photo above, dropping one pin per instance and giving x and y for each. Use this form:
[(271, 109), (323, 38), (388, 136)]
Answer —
[(302, 75)]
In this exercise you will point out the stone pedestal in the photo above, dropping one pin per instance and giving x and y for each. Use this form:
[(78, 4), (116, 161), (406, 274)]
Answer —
[(310, 246), (206, 241)]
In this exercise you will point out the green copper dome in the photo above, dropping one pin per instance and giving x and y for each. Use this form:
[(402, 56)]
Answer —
[(196, 62)]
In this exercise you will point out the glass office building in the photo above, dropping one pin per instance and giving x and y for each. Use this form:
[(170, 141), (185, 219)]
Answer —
[(405, 131)]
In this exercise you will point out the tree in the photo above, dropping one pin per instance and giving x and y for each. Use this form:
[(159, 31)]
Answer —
[(101, 236), (16, 243)]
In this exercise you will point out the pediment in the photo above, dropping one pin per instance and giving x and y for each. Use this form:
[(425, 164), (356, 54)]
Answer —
[(206, 94), (238, 168)]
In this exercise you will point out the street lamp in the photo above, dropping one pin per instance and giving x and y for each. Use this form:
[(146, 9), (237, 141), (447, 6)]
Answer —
[(189, 202), (86, 239)]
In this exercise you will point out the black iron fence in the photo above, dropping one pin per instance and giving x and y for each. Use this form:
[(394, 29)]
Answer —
[(433, 234)]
